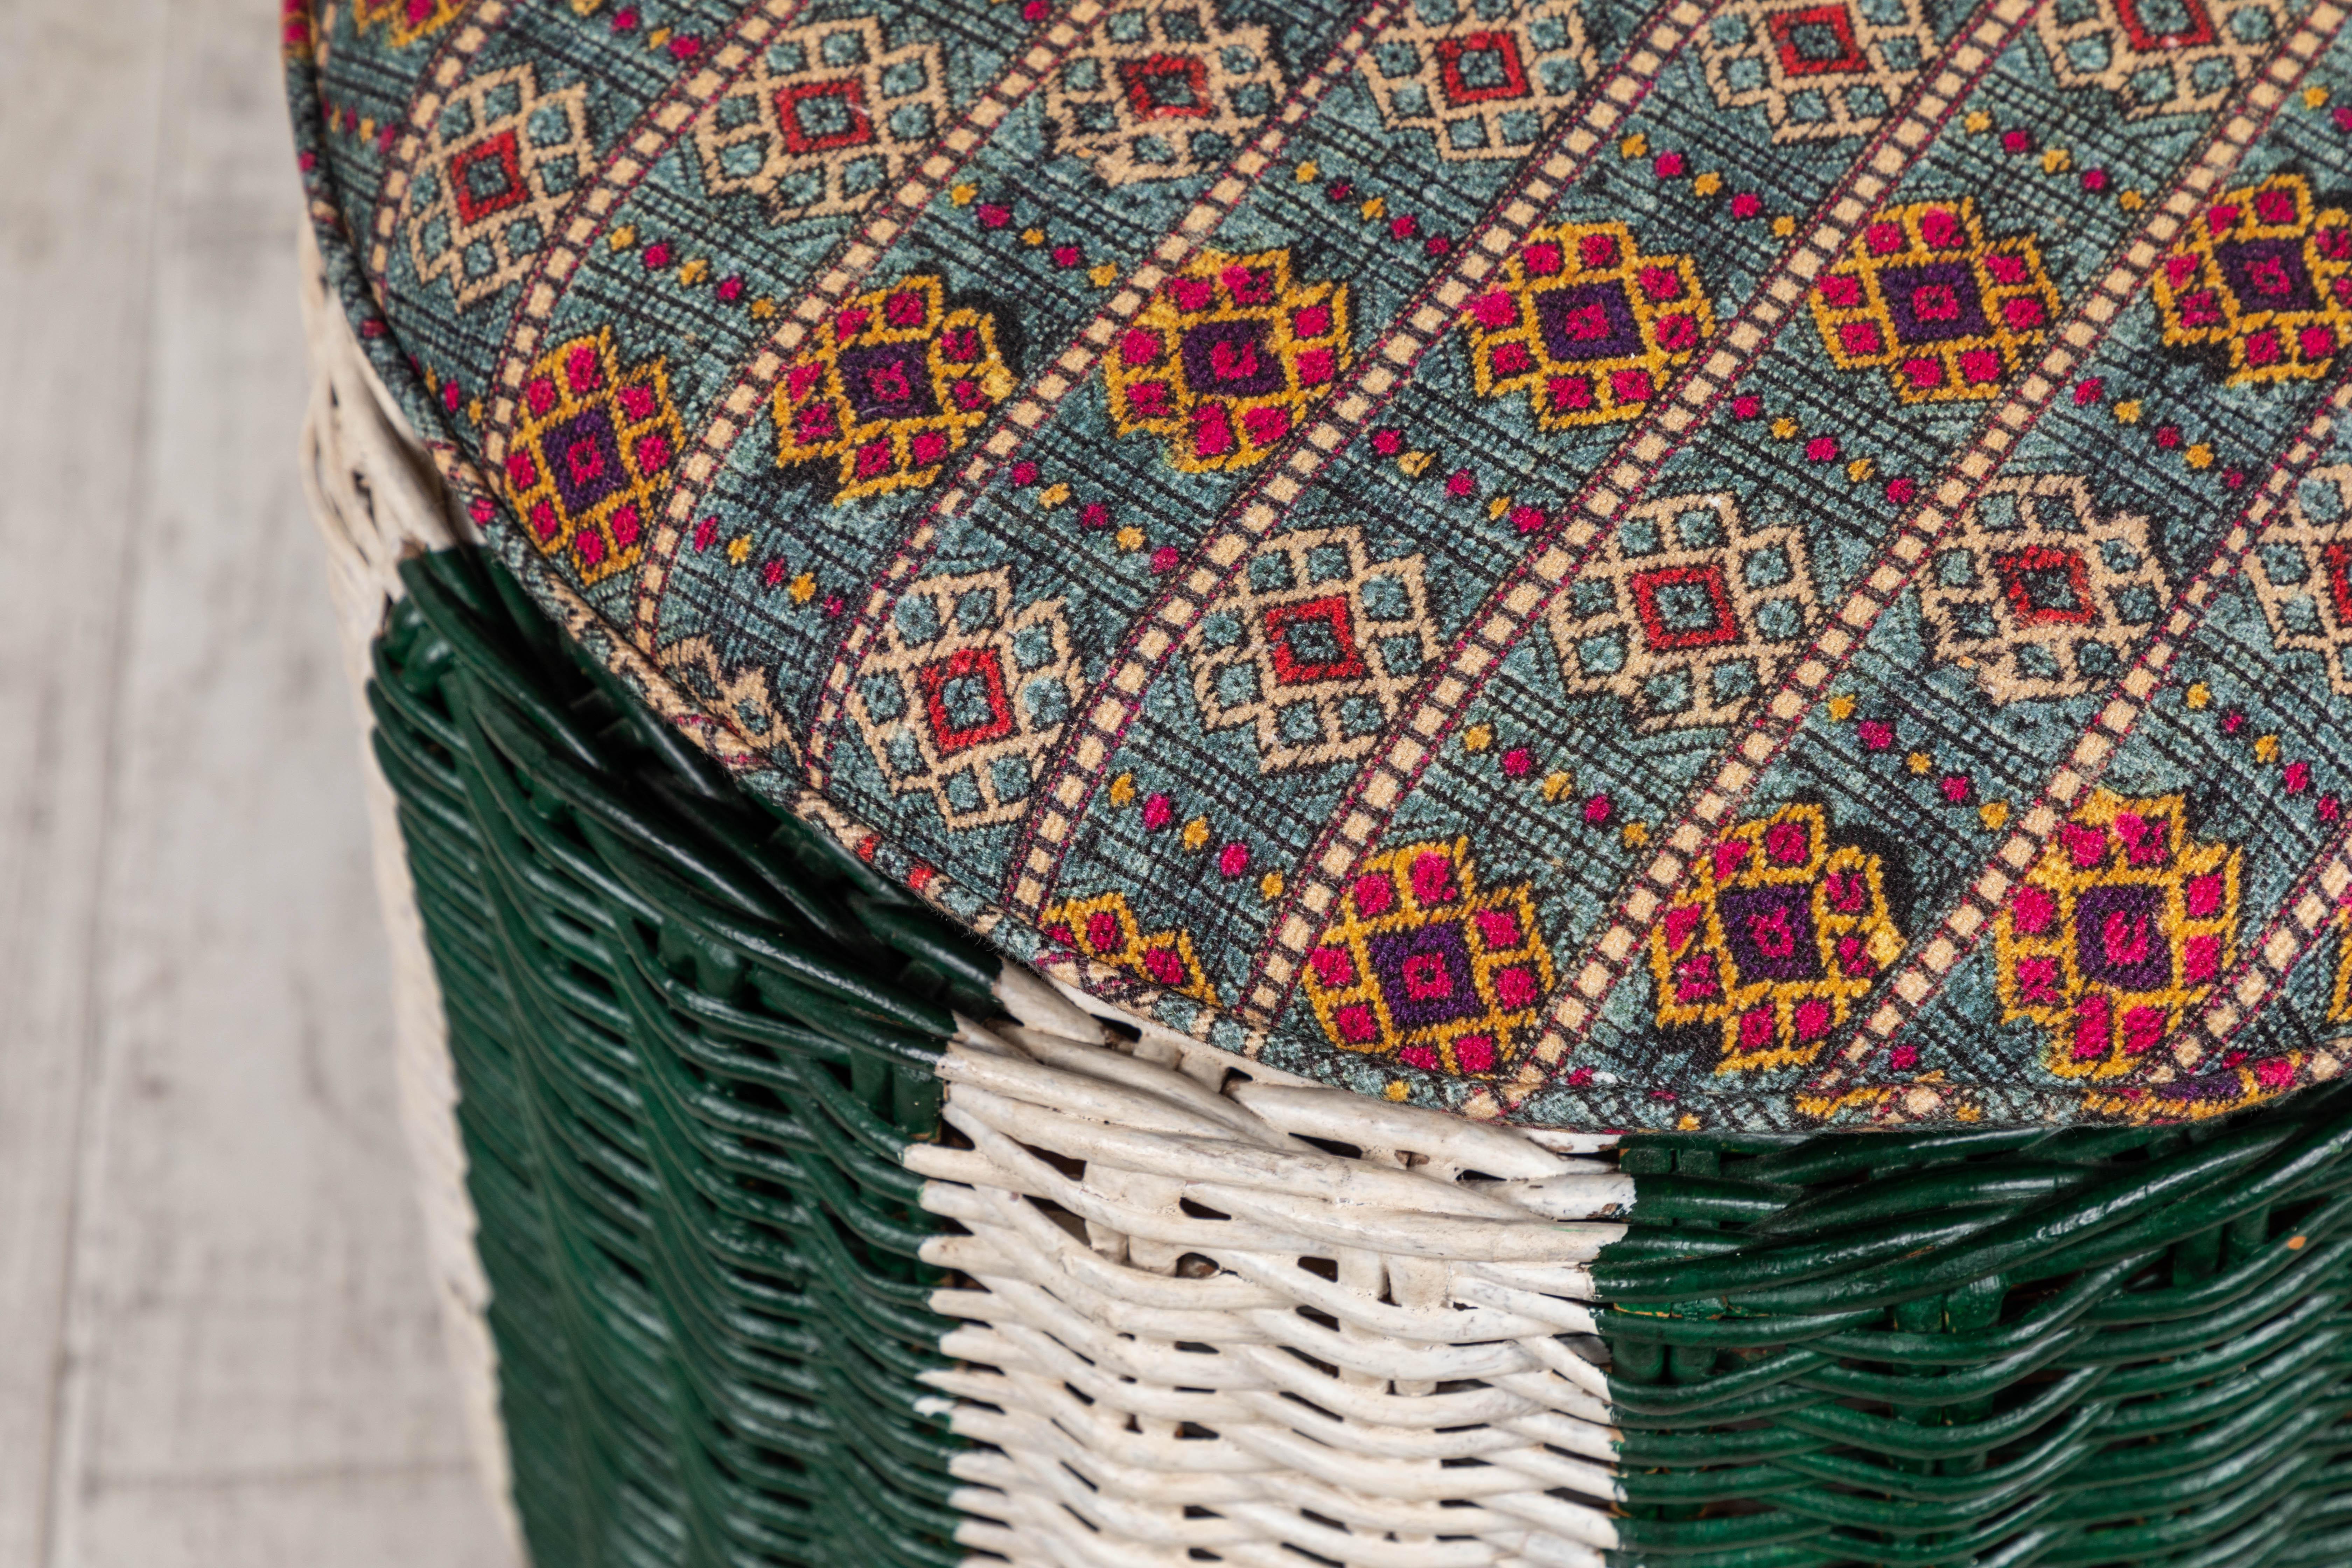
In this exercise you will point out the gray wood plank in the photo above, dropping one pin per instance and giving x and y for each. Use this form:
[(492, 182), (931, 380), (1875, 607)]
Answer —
[(252, 1369), (78, 150), (326, 1519)]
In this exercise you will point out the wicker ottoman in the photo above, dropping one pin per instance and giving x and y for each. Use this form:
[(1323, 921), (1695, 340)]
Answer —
[(1835, 1062)]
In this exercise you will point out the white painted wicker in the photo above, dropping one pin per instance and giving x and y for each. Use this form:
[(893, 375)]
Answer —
[(376, 500), (1212, 1306), (1203, 1305)]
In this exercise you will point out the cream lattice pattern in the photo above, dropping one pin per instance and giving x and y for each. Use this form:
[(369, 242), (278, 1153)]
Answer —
[(823, 120), (2040, 593), (965, 692), (1313, 648), (2159, 57), (500, 165), (1687, 612), (1487, 81), (2303, 572), (1819, 68), (1160, 92)]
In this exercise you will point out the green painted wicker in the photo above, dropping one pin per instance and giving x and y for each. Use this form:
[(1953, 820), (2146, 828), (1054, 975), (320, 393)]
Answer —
[(2002, 1348), (694, 1038), (691, 1046)]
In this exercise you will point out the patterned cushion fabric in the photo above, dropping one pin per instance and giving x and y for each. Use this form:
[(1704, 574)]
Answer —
[(1729, 564)]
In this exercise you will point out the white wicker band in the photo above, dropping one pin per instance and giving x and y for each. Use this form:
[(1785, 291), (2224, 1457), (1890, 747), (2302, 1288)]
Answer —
[(1215, 1312), (1208, 1311), (376, 500)]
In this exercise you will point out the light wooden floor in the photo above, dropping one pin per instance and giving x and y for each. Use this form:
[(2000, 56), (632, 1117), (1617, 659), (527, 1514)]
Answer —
[(216, 1347)]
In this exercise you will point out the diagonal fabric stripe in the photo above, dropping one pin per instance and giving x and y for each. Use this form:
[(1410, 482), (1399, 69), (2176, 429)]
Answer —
[(2320, 895), (591, 209), (1932, 962), (1211, 783), (1583, 130), (452, 57), (1519, 602), (1002, 435), (849, 264), (1597, 972)]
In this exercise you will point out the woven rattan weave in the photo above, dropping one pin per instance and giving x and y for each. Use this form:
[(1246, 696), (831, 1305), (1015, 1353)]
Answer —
[(2000, 1348), (1736, 568), (696, 1041), (690, 1056)]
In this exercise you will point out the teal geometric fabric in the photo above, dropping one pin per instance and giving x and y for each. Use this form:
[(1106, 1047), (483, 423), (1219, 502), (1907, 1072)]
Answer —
[(1729, 564)]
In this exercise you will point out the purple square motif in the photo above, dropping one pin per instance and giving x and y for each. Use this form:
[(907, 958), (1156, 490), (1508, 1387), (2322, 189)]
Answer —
[(2267, 274), (1770, 930), (1230, 358), (1425, 975), (888, 381), (1933, 303), (584, 458), (2221, 1086), (2119, 937), (1587, 321)]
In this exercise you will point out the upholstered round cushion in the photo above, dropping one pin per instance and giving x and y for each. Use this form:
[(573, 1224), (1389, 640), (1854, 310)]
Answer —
[(1731, 566)]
